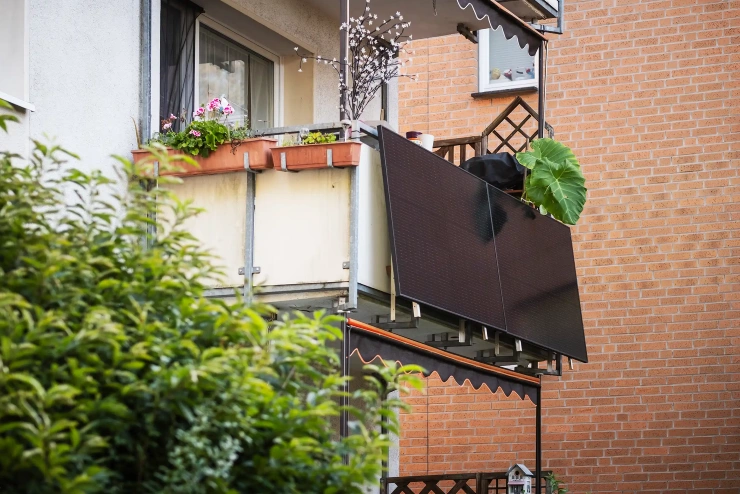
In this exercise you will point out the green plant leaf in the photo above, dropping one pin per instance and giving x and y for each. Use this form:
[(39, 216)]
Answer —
[(546, 148), (559, 187)]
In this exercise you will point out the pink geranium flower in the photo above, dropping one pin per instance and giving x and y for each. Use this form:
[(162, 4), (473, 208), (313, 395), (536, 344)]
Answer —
[(199, 112), (195, 133), (228, 110), (167, 126), (214, 104)]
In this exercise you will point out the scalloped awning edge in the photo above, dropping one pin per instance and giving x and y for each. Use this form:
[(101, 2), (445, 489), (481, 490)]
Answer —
[(370, 342), (528, 37)]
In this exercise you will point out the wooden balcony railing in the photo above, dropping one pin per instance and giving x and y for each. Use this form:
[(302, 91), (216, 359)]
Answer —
[(462, 483)]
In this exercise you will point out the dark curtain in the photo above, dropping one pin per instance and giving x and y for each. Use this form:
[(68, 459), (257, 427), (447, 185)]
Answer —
[(177, 60)]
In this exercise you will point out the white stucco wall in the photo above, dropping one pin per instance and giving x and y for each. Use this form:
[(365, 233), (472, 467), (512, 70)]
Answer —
[(84, 76)]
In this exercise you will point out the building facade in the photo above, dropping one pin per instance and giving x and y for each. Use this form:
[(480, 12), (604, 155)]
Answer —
[(647, 94)]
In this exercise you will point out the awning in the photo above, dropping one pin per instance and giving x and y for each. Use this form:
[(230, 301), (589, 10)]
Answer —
[(497, 16), (430, 18), (370, 342)]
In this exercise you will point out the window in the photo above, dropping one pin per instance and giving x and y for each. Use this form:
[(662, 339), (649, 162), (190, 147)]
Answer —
[(14, 53), (176, 59), (503, 64), (242, 76)]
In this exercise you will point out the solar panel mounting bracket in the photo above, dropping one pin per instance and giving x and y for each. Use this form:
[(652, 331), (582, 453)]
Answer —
[(390, 326)]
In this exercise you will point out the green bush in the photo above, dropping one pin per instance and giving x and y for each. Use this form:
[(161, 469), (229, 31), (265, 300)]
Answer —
[(118, 376)]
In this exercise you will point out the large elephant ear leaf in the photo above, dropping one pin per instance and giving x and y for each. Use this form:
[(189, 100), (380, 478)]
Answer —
[(554, 151), (559, 187), (528, 158), (546, 148)]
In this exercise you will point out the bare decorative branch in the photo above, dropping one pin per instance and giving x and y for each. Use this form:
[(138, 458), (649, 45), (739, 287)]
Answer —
[(373, 58)]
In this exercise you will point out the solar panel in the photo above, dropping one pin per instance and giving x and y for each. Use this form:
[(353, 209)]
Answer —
[(441, 233), (466, 248), (538, 277)]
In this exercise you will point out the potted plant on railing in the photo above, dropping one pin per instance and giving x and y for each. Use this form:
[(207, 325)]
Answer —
[(216, 145), (316, 150)]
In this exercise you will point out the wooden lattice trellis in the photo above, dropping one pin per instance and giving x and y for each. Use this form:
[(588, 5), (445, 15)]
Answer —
[(511, 131)]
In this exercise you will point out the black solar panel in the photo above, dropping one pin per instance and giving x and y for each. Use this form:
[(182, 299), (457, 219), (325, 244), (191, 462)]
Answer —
[(441, 233), (467, 248), (538, 277)]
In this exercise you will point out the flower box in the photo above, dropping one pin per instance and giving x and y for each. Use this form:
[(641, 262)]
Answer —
[(226, 158), (311, 156)]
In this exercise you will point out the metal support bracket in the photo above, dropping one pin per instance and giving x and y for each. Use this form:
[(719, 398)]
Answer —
[(255, 270), (390, 326), (329, 160), (467, 33), (156, 169), (246, 164), (443, 340), (284, 164), (490, 357)]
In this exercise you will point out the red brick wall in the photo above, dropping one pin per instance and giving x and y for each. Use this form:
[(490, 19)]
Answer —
[(648, 95)]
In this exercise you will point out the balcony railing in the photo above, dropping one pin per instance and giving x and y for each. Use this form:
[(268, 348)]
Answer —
[(468, 483)]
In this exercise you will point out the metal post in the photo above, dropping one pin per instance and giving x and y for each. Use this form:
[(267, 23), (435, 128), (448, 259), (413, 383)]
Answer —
[(354, 226), (538, 445), (344, 400), (343, 54), (541, 93), (249, 238)]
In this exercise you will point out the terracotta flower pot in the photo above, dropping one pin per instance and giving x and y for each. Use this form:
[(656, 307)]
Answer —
[(335, 154), (224, 159)]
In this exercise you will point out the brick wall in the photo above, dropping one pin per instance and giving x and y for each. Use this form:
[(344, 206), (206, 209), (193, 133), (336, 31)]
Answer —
[(648, 95)]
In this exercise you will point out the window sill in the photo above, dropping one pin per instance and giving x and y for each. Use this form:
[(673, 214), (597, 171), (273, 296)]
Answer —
[(505, 92), (17, 102)]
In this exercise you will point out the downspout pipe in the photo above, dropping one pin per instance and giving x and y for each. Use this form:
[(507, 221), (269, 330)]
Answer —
[(145, 69), (541, 91), (343, 54)]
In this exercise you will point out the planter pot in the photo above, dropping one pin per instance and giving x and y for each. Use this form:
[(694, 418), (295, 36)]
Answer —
[(252, 152), (310, 156)]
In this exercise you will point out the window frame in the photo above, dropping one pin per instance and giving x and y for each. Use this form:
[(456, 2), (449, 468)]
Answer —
[(23, 100), (235, 37), (484, 86)]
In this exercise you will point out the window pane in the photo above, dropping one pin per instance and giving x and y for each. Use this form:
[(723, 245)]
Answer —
[(223, 72), (13, 48), (261, 71), (176, 56), (507, 60), (244, 78)]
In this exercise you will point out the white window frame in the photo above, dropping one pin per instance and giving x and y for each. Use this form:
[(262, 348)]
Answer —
[(247, 43), (484, 69), (23, 100)]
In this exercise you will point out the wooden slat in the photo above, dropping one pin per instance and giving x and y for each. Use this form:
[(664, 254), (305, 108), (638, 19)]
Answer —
[(497, 121), (456, 140)]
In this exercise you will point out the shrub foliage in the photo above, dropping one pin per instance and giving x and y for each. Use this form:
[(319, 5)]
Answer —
[(118, 375)]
